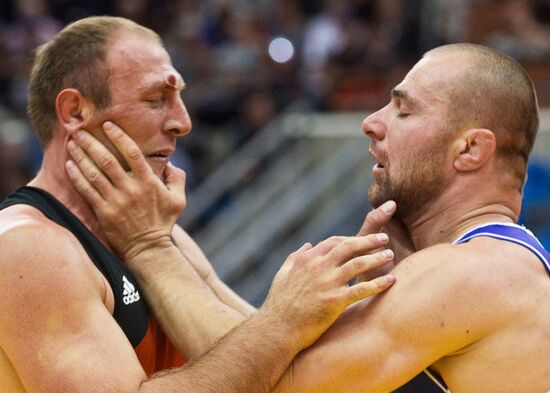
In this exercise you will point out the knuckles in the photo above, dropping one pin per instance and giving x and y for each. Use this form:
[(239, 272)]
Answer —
[(106, 162), (134, 153)]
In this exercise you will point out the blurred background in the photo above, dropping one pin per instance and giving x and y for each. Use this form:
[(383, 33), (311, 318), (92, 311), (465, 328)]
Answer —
[(277, 90)]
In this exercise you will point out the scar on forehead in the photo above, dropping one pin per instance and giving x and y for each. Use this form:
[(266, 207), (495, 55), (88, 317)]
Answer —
[(173, 80)]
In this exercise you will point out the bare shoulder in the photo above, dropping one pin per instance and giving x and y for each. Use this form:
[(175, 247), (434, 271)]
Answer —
[(39, 256), (463, 282), (484, 262), (54, 312), (26, 236)]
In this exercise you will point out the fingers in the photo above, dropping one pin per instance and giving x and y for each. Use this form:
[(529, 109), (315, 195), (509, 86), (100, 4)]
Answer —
[(174, 179), (291, 259), (101, 156), (352, 247), (84, 173), (377, 218), (365, 289), (83, 186), (363, 264), (326, 245), (128, 149), (304, 247)]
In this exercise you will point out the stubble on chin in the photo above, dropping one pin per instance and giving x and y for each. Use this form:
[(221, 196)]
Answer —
[(376, 195)]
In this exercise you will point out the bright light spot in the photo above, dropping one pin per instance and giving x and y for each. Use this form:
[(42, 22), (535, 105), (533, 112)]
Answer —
[(281, 50)]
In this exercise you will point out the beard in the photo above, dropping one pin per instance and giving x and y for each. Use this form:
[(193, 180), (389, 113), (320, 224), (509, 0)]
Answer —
[(413, 183)]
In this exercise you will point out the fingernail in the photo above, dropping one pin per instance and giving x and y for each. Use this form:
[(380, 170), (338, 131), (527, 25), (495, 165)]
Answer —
[(389, 279), (387, 254), (108, 126), (382, 237), (388, 207), (80, 135), (71, 145)]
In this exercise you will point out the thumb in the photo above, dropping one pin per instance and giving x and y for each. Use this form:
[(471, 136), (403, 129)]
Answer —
[(289, 263), (377, 218), (174, 179)]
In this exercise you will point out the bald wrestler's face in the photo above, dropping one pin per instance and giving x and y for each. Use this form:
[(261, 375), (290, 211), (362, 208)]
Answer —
[(410, 139)]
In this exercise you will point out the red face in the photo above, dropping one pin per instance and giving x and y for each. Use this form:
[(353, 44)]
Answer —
[(410, 139), (145, 99)]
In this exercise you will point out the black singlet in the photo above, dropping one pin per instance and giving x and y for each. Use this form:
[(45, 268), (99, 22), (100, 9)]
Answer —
[(130, 310)]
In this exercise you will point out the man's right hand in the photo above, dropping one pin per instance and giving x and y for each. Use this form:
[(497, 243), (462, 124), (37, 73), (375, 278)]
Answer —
[(311, 289), (136, 210)]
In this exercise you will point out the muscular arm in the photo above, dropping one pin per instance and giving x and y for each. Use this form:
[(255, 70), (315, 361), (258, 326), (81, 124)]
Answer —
[(59, 335), (187, 308), (196, 257), (439, 305), (55, 328)]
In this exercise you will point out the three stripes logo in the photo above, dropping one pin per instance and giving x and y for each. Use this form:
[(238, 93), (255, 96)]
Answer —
[(131, 295)]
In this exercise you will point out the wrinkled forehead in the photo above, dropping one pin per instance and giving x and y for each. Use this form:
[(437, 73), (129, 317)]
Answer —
[(140, 59)]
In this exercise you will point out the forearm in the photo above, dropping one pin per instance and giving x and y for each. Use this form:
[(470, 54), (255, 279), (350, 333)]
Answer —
[(227, 296), (188, 310), (243, 361), (199, 261)]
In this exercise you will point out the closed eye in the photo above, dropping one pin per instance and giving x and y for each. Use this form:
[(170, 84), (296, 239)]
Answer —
[(154, 99)]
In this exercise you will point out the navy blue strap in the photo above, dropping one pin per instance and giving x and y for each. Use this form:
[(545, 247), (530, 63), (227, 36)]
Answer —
[(512, 233)]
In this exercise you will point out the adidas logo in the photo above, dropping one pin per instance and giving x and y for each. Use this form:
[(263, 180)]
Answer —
[(131, 295)]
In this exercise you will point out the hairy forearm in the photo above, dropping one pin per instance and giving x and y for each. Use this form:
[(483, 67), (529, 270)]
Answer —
[(187, 309), (227, 296), (243, 361)]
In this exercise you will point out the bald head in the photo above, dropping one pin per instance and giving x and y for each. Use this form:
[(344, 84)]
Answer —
[(493, 91)]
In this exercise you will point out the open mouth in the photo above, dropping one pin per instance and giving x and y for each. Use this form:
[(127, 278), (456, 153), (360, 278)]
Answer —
[(160, 154)]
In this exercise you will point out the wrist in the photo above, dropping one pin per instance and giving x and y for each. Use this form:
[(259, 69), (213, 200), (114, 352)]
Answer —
[(149, 250), (285, 330), (147, 245)]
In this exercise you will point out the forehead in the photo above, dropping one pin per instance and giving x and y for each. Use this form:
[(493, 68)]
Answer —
[(431, 79), (139, 61)]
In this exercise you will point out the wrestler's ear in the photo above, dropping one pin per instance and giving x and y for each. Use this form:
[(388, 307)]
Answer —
[(473, 149), (73, 109)]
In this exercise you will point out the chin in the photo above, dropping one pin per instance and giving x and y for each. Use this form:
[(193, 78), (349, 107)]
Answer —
[(376, 196)]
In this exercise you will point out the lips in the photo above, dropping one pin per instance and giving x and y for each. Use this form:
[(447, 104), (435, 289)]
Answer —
[(378, 157), (160, 154)]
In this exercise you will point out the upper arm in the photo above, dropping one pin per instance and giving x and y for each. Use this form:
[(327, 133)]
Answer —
[(196, 257), (55, 329), (431, 311)]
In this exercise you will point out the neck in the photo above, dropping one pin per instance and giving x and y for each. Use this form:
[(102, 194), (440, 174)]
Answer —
[(53, 178), (445, 222)]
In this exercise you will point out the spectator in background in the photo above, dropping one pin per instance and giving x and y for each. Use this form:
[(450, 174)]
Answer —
[(32, 25), (521, 34)]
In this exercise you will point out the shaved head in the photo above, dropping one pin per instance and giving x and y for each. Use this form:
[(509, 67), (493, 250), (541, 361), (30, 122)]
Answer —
[(494, 92)]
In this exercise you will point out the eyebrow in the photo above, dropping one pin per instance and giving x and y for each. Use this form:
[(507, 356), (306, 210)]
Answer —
[(163, 85), (403, 95)]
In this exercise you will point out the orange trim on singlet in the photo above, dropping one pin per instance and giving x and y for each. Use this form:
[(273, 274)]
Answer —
[(156, 352)]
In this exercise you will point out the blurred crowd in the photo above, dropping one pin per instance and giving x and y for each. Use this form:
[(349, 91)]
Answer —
[(246, 61)]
